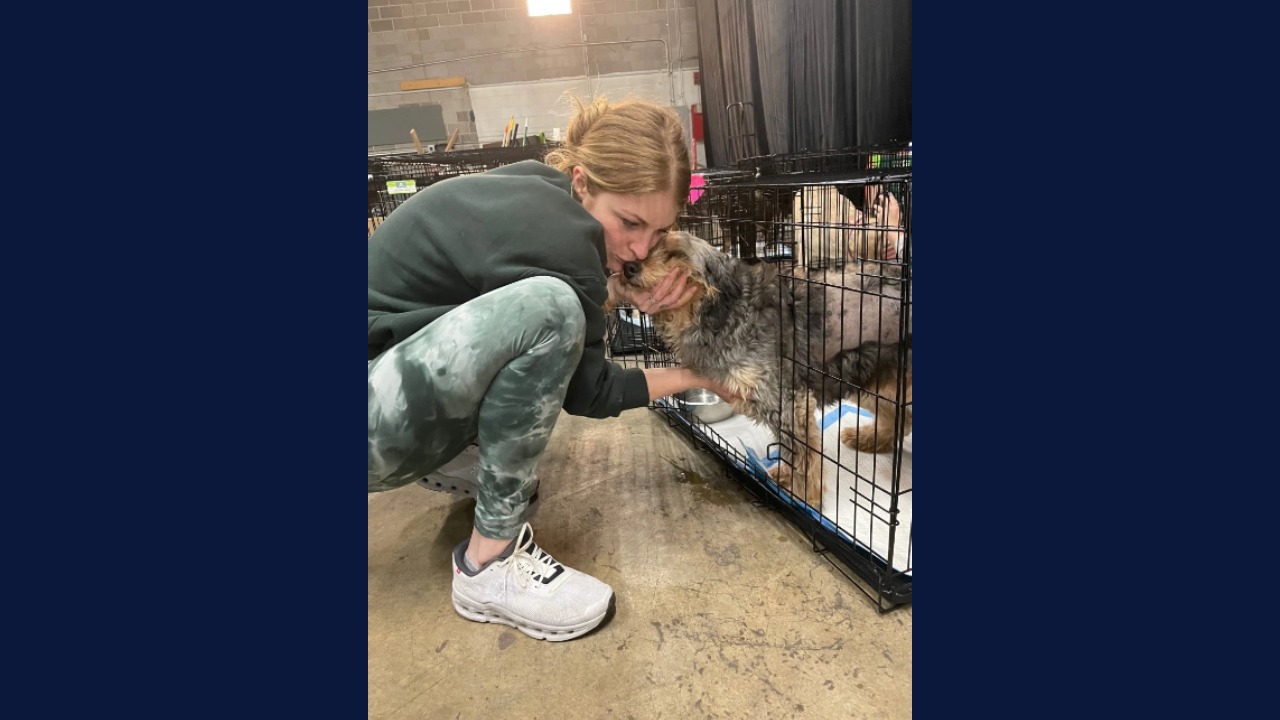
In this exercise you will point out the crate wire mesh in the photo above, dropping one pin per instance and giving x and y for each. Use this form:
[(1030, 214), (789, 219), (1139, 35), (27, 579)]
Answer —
[(394, 178), (836, 226)]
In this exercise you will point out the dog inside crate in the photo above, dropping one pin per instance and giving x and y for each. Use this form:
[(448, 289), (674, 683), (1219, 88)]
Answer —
[(818, 339)]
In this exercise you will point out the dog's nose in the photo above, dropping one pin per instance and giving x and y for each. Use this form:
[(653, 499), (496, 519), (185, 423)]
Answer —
[(630, 269)]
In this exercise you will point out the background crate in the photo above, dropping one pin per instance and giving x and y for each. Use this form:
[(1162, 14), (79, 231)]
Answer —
[(391, 176)]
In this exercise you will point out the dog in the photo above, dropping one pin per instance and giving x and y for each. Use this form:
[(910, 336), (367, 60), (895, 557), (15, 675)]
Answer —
[(831, 230), (787, 344)]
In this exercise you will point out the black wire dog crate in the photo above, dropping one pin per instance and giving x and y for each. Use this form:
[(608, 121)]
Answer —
[(394, 178), (836, 226)]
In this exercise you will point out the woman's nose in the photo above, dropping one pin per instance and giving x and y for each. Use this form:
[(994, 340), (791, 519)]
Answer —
[(640, 249)]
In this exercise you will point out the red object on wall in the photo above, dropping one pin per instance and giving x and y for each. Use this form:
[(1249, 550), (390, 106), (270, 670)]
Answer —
[(697, 76), (697, 121)]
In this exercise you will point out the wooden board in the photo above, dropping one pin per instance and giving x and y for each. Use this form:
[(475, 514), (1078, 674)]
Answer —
[(433, 83)]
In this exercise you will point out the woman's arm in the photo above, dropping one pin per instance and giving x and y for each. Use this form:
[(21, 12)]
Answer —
[(668, 381)]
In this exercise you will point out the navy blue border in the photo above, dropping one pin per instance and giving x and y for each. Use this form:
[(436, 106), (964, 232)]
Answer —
[(1006, 273), (1084, 194), (183, 511)]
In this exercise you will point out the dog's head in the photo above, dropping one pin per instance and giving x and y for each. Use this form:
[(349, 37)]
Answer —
[(677, 251)]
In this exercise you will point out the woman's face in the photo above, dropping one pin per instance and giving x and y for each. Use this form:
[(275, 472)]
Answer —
[(633, 224)]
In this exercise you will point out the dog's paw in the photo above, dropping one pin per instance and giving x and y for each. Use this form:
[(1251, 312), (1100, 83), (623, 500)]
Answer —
[(813, 499), (784, 475), (849, 436), (862, 441), (867, 440), (781, 474)]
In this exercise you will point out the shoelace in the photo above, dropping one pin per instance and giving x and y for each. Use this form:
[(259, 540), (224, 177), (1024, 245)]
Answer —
[(534, 563)]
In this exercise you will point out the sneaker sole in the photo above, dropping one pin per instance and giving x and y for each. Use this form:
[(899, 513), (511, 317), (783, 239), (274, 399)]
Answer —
[(464, 490), (479, 613), (447, 487)]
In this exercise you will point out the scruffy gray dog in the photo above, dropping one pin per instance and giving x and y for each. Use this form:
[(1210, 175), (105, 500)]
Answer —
[(790, 344)]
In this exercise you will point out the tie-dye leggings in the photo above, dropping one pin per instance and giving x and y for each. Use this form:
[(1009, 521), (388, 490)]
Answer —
[(492, 371)]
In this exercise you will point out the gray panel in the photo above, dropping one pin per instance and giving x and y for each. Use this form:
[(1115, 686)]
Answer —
[(391, 127)]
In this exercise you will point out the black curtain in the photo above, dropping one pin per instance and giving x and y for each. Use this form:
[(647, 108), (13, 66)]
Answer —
[(782, 76)]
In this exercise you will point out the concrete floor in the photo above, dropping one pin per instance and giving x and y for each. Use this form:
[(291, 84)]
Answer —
[(723, 610)]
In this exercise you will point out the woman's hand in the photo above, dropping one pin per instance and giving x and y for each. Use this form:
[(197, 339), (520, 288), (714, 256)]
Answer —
[(669, 294), (723, 391), (671, 380)]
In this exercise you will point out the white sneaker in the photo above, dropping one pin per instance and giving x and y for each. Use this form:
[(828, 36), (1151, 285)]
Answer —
[(528, 590), (461, 476)]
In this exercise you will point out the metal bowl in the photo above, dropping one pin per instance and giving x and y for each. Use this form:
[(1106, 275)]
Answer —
[(704, 405)]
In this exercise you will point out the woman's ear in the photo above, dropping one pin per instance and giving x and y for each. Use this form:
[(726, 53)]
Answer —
[(579, 177)]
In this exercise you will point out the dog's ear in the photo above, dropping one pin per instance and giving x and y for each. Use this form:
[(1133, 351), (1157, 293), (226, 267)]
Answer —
[(717, 307), (699, 251)]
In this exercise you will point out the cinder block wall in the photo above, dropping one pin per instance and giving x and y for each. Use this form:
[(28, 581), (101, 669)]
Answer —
[(468, 38)]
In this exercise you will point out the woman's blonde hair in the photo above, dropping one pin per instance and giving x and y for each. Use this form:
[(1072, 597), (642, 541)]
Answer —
[(631, 147)]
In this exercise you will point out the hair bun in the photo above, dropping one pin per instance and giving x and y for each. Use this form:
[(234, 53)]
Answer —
[(587, 115)]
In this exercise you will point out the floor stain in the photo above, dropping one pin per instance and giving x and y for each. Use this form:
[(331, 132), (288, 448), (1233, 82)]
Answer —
[(505, 639), (702, 488), (730, 554), (661, 637)]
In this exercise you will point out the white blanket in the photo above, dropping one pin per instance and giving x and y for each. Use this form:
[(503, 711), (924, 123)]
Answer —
[(858, 491)]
